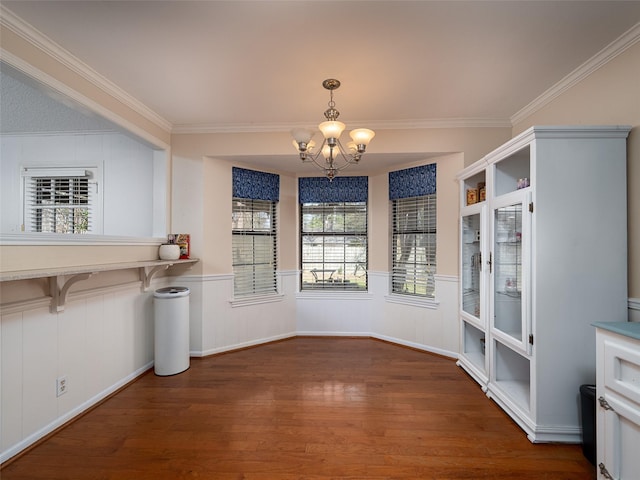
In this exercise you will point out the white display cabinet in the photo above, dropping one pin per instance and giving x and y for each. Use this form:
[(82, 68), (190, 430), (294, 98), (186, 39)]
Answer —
[(542, 257)]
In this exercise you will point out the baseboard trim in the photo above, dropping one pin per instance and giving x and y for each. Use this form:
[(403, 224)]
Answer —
[(22, 447)]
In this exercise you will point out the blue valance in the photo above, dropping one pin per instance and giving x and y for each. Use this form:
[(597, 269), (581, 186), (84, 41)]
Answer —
[(255, 185), (412, 182), (340, 189)]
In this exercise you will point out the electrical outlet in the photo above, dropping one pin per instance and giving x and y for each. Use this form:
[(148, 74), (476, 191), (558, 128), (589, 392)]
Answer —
[(62, 384)]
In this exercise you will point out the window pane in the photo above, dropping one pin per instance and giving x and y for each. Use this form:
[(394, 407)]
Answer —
[(254, 246), (57, 204), (334, 246)]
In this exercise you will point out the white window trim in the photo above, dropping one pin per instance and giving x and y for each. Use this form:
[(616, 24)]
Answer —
[(413, 300)]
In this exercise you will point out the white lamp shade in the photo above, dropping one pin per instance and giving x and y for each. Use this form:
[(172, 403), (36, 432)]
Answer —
[(362, 136), (301, 135), (332, 129)]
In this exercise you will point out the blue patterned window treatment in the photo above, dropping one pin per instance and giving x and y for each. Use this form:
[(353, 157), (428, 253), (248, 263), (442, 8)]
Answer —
[(412, 182), (340, 189), (255, 185)]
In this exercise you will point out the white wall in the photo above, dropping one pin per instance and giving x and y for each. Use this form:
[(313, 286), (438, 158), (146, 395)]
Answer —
[(126, 177)]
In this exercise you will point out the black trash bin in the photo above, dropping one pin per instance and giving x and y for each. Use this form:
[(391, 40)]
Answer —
[(588, 406)]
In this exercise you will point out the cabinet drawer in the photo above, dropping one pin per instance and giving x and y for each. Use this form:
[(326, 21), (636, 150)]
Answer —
[(622, 368)]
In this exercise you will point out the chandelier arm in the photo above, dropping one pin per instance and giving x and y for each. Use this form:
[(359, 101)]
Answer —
[(347, 158)]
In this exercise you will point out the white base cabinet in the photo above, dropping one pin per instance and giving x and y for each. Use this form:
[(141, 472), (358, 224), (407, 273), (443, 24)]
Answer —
[(618, 400), (543, 241)]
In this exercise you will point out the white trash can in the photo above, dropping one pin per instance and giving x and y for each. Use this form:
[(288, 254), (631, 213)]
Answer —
[(171, 336)]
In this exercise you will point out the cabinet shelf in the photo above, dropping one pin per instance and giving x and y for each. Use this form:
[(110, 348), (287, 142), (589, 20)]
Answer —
[(518, 391), (512, 374)]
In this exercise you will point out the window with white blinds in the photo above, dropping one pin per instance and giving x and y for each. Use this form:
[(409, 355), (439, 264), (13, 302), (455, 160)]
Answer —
[(59, 200), (412, 194), (254, 247), (334, 246), (414, 245)]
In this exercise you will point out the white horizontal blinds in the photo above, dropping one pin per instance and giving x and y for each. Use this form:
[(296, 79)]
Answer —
[(414, 245), (254, 246), (412, 193), (333, 229), (254, 229), (58, 200)]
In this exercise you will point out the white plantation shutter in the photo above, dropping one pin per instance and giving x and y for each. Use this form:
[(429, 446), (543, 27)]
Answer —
[(254, 247), (59, 200), (414, 245)]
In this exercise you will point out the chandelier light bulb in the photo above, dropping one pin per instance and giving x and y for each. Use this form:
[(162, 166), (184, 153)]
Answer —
[(327, 151)]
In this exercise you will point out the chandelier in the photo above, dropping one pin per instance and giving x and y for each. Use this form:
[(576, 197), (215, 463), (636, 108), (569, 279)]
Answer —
[(335, 157)]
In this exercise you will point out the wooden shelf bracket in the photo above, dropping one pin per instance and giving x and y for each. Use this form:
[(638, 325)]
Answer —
[(147, 273), (59, 287)]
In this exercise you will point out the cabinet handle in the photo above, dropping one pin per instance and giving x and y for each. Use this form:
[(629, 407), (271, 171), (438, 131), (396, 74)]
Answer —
[(489, 262), (604, 472), (604, 404)]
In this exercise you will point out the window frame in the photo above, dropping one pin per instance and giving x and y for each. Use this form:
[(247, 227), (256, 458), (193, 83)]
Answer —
[(326, 282), (28, 174), (429, 229), (272, 233)]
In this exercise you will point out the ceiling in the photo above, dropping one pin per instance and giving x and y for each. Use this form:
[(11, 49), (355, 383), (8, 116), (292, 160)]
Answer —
[(225, 66)]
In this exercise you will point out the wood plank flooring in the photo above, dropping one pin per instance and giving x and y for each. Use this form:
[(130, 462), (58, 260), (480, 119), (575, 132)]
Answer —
[(304, 408)]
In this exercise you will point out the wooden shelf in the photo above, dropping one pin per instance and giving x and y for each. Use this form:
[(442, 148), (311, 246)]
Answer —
[(62, 278)]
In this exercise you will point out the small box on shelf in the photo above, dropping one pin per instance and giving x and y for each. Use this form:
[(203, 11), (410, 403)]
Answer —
[(472, 196), (183, 240), (482, 192)]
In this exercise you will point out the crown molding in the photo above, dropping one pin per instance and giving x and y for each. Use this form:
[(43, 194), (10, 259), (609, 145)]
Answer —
[(21, 28), (130, 127), (611, 51), (379, 125)]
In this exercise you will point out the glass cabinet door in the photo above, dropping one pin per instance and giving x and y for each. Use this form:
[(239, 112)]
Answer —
[(471, 264), (509, 281)]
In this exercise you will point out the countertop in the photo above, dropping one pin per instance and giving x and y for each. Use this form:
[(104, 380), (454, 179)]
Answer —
[(628, 329)]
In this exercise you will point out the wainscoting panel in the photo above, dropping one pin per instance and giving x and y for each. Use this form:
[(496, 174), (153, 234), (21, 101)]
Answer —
[(223, 325), (101, 341), (431, 327)]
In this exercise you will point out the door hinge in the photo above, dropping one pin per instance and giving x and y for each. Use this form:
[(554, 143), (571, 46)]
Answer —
[(604, 404), (531, 207), (604, 472), (531, 338), (489, 262)]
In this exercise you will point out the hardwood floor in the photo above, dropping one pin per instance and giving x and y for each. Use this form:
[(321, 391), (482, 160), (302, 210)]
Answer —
[(304, 408)]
